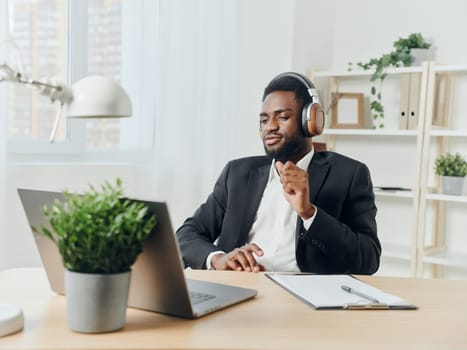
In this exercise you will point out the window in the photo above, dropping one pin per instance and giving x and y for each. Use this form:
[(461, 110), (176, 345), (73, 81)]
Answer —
[(104, 39), (37, 31), (70, 40)]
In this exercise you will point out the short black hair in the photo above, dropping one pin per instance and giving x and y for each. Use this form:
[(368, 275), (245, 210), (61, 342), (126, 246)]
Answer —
[(288, 83)]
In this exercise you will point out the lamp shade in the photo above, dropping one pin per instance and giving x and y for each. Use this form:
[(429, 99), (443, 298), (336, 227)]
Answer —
[(98, 97)]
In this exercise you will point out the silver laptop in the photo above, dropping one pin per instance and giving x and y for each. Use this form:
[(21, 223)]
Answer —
[(157, 279)]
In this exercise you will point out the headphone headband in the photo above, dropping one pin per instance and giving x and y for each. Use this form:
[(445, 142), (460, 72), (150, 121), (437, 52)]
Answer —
[(312, 113), (310, 87), (304, 80)]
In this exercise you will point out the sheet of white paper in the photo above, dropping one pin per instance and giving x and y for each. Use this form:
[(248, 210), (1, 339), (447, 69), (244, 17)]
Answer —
[(325, 291)]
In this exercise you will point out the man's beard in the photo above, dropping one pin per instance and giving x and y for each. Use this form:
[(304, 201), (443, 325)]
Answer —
[(291, 147)]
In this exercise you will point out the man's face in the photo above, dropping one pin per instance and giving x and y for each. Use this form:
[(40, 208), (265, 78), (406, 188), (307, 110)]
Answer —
[(280, 127)]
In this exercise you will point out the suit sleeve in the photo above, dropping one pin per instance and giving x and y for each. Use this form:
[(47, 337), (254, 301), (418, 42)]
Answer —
[(345, 232), (198, 233)]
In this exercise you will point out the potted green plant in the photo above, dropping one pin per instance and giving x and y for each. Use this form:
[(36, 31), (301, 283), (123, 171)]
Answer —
[(452, 168), (99, 235), (398, 57)]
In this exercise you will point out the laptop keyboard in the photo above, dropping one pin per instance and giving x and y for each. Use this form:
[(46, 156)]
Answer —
[(197, 297)]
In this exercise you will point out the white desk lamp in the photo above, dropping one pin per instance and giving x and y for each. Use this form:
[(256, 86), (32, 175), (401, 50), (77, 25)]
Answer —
[(90, 97)]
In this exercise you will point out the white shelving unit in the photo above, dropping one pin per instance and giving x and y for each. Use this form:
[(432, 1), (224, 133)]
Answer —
[(442, 229), (397, 216), (434, 239)]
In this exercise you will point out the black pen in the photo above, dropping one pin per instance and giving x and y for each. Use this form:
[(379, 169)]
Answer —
[(360, 294)]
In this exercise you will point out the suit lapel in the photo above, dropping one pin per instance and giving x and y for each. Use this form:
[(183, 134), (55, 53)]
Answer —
[(317, 172), (252, 197)]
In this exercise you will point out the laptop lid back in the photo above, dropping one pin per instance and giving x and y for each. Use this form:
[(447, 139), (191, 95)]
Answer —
[(157, 278)]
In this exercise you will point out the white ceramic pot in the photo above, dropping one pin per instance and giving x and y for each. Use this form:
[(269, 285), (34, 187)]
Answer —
[(421, 55), (96, 303), (452, 185)]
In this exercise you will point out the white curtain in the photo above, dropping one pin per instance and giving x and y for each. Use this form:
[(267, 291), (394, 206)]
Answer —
[(196, 90), (3, 134), (2, 176)]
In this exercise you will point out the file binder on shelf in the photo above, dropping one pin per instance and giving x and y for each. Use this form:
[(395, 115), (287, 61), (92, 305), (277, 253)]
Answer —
[(404, 101), (415, 80)]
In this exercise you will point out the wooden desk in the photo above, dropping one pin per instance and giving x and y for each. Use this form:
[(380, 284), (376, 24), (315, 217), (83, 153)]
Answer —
[(273, 320)]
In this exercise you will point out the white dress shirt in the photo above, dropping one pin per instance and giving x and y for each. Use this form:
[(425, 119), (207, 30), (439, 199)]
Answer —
[(274, 227)]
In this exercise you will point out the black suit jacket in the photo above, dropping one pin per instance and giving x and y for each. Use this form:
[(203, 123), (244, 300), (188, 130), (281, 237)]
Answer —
[(341, 239)]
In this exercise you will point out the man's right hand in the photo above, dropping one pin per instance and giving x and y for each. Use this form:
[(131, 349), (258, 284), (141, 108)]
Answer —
[(239, 259)]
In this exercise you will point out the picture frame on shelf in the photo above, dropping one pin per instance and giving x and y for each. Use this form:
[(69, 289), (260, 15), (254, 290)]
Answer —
[(347, 110)]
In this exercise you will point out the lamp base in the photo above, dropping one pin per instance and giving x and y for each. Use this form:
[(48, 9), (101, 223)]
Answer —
[(11, 319)]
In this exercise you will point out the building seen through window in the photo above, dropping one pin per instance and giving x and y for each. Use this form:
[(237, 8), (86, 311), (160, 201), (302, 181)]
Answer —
[(39, 32)]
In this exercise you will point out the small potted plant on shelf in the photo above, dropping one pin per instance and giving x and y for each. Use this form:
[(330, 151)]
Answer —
[(452, 168), (400, 56), (99, 235)]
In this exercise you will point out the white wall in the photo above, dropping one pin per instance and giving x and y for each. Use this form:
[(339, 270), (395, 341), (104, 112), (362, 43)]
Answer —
[(367, 28), (314, 23), (265, 43)]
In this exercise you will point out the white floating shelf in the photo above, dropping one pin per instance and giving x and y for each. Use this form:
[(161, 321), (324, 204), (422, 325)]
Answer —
[(445, 132), (370, 132), (358, 72), (394, 193), (450, 68), (396, 251), (447, 259), (446, 197)]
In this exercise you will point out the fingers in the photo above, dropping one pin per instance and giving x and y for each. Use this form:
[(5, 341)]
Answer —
[(287, 167), (290, 172), (293, 178), (242, 259), (279, 167), (255, 248), (244, 256), (296, 188)]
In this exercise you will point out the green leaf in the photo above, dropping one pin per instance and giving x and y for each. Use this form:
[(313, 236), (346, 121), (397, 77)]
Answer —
[(398, 57), (449, 164), (98, 231)]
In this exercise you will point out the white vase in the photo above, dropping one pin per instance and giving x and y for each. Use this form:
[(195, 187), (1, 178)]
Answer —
[(420, 55), (96, 303), (452, 185)]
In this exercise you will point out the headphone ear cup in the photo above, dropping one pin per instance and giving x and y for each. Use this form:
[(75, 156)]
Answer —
[(312, 119)]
